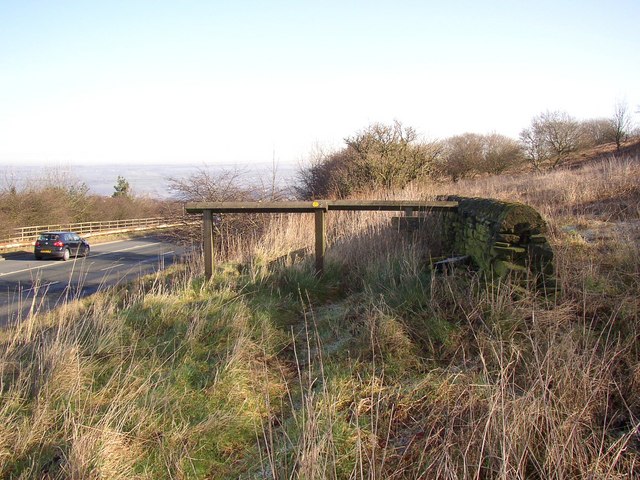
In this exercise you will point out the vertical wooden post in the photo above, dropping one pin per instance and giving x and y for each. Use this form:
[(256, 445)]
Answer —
[(320, 240), (408, 213), (207, 237)]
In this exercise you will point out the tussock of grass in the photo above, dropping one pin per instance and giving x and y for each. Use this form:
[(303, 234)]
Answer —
[(378, 369)]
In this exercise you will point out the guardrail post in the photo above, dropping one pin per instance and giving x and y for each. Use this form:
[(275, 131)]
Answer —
[(321, 243), (207, 237)]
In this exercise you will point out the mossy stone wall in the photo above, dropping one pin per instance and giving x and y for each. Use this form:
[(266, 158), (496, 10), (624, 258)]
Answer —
[(500, 237)]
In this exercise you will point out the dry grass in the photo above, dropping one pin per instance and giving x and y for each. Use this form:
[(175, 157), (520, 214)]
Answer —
[(377, 370), (605, 190)]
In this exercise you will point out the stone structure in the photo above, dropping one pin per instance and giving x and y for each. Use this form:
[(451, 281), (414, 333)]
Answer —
[(502, 238)]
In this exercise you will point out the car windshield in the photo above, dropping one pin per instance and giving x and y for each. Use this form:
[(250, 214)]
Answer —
[(48, 237)]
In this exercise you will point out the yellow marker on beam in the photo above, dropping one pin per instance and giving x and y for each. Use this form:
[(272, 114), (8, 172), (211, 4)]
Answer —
[(315, 204)]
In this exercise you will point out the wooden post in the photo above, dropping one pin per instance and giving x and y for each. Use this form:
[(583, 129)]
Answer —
[(207, 238), (320, 240), (411, 226)]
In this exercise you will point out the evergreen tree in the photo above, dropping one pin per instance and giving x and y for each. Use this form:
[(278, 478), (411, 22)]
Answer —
[(122, 188)]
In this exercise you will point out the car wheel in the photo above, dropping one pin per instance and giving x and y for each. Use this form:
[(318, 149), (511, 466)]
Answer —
[(66, 255), (87, 249)]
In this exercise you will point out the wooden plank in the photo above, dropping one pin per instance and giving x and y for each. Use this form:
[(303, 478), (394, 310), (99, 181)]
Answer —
[(391, 205), (321, 241), (207, 236), (256, 207), (302, 207)]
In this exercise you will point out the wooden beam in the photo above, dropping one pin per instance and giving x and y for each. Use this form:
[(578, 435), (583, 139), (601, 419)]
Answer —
[(321, 242), (391, 205), (302, 207), (207, 238), (256, 207)]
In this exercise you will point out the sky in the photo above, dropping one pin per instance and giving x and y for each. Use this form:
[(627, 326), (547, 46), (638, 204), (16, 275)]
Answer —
[(244, 82)]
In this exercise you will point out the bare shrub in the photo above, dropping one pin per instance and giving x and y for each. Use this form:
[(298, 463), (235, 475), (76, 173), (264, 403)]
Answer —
[(596, 131), (550, 138), (470, 154), (235, 232), (380, 156)]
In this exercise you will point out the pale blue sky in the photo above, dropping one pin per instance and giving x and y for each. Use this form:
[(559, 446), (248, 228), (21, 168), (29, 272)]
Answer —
[(241, 81)]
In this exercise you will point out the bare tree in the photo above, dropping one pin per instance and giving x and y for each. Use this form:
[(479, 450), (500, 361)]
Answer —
[(620, 123), (270, 185), (534, 146), (220, 186), (500, 153), (562, 134), (471, 153), (210, 186), (552, 136), (596, 131), (9, 183), (462, 156)]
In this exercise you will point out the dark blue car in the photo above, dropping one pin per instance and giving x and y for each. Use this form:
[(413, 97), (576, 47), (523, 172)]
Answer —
[(62, 245)]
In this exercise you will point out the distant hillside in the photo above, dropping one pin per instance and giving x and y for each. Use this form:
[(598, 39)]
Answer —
[(600, 152)]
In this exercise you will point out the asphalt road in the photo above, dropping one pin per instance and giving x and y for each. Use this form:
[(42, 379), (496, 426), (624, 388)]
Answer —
[(27, 283)]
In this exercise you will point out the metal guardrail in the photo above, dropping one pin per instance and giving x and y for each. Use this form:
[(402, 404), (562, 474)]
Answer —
[(25, 235)]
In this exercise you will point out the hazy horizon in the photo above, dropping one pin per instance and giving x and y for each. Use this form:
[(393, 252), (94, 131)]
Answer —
[(150, 180)]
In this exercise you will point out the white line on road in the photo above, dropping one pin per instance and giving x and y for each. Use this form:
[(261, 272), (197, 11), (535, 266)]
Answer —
[(28, 269)]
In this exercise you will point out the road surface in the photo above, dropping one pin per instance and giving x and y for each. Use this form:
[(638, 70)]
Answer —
[(27, 283)]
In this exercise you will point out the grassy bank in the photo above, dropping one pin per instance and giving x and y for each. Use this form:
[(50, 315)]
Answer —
[(379, 369)]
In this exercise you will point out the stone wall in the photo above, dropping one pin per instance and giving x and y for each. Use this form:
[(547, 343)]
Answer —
[(501, 238)]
